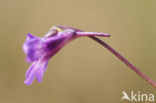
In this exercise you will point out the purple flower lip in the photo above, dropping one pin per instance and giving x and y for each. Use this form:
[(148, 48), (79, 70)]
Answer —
[(39, 50)]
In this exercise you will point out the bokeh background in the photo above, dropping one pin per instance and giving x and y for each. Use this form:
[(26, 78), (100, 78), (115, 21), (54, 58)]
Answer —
[(83, 71)]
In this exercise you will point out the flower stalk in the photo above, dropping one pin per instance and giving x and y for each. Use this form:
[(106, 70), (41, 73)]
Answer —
[(130, 65)]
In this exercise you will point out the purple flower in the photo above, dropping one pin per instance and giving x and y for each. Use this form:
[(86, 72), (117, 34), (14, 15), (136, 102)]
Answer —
[(40, 50)]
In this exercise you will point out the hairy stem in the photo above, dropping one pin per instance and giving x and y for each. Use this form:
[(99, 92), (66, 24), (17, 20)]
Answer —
[(130, 65)]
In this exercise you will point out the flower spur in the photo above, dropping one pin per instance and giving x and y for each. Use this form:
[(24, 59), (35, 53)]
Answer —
[(39, 50)]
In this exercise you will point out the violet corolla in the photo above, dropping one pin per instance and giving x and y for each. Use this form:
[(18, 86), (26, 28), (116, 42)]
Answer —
[(39, 50)]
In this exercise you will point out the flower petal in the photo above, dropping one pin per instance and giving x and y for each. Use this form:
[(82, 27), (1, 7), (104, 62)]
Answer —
[(54, 44), (36, 70), (53, 32), (41, 71), (31, 74), (30, 69), (30, 36), (33, 48)]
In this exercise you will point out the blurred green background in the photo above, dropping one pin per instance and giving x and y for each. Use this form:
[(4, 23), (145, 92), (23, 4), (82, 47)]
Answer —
[(83, 71)]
